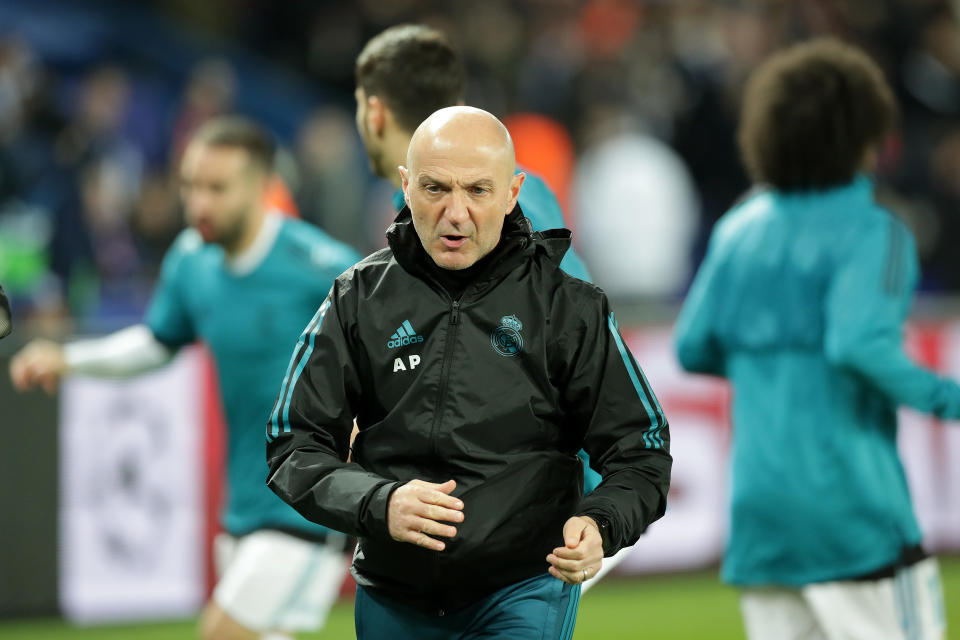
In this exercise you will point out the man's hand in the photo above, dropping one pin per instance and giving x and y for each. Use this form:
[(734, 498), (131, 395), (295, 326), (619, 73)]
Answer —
[(417, 510), (39, 363), (582, 554)]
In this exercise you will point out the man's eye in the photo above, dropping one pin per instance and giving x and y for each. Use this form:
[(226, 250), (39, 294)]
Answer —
[(478, 191), (432, 188)]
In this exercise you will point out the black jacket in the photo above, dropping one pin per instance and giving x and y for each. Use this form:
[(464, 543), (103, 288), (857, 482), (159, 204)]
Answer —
[(498, 390)]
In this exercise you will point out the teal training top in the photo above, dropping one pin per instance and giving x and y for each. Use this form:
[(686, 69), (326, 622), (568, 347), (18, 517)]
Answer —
[(543, 211), (800, 303), (250, 322)]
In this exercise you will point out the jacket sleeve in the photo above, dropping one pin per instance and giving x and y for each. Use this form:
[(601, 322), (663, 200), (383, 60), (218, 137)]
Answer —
[(867, 302), (626, 436), (308, 432), (698, 349)]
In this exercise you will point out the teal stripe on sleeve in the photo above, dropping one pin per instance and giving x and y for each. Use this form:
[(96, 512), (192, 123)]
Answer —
[(651, 436), (302, 364), (656, 432), (274, 424), (274, 417)]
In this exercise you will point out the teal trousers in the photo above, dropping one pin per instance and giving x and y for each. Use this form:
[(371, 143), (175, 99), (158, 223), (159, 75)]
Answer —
[(539, 608)]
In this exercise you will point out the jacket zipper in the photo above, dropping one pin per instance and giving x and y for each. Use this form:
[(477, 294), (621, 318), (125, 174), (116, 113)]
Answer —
[(445, 371), (441, 397)]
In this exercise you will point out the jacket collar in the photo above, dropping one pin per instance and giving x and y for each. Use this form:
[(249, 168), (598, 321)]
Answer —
[(522, 244)]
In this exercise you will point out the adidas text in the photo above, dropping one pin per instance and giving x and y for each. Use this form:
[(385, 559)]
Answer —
[(404, 341)]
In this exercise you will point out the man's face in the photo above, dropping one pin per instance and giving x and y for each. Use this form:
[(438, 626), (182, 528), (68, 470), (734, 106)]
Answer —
[(459, 198), (220, 188), (370, 141)]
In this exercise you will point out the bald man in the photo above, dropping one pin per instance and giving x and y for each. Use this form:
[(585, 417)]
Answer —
[(405, 73), (475, 369)]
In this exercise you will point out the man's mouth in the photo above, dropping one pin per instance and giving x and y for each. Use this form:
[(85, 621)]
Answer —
[(452, 241), (205, 229)]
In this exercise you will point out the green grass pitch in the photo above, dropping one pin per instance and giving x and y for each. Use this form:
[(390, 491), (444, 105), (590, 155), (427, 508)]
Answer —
[(671, 607)]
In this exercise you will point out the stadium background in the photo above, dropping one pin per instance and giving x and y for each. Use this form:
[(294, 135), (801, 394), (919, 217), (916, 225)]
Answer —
[(627, 108)]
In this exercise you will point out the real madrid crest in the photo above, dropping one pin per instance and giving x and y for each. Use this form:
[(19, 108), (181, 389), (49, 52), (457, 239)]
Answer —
[(506, 338)]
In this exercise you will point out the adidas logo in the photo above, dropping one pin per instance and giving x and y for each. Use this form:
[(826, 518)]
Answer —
[(404, 335)]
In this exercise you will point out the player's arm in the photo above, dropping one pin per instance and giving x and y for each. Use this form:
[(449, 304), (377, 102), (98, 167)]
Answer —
[(625, 433), (123, 354), (697, 347), (867, 303), (128, 352)]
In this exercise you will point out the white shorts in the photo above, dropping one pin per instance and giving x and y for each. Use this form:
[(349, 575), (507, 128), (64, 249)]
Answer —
[(908, 606), (272, 581)]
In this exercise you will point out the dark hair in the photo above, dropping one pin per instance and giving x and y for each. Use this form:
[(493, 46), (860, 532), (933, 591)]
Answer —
[(810, 113), (414, 70), (239, 132)]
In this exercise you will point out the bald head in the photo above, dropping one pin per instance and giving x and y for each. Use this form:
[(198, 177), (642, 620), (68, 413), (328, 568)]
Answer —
[(463, 135), (460, 183)]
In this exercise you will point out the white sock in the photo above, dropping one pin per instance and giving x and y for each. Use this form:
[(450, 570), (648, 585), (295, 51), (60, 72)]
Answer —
[(276, 635)]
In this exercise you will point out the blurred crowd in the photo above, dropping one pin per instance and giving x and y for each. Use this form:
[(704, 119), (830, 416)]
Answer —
[(628, 108)]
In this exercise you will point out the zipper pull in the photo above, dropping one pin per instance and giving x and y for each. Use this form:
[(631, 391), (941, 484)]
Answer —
[(455, 312)]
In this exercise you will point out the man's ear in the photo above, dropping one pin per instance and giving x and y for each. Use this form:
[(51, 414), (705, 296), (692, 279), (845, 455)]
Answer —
[(515, 183), (404, 182), (376, 114)]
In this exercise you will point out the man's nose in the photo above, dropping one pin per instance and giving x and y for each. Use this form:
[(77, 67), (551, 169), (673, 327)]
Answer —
[(197, 204), (457, 210)]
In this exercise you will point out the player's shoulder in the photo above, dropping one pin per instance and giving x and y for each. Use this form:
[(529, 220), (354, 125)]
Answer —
[(888, 229), (188, 248), (188, 242), (539, 204), (755, 206), (864, 218), (296, 232), (309, 242), (537, 185), (882, 216)]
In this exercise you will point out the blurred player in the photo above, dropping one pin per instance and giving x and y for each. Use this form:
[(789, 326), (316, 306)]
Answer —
[(245, 281), (403, 75), (800, 303)]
